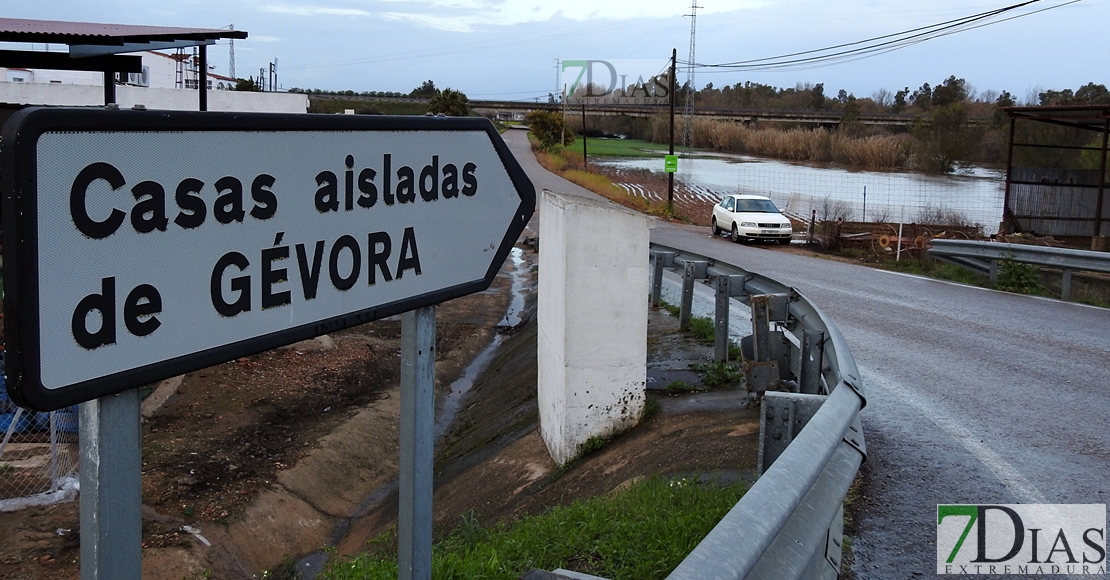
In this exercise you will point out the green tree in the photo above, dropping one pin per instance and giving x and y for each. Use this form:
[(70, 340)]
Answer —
[(952, 90), (922, 98), (1093, 94), (998, 115), (548, 127), (449, 102), (818, 95), (900, 100), (246, 84), (942, 138), (1088, 94), (849, 119), (426, 90)]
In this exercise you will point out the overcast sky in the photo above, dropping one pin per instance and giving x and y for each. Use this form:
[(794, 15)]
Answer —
[(507, 49)]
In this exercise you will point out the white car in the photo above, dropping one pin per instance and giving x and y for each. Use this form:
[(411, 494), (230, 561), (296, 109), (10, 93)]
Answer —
[(751, 217)]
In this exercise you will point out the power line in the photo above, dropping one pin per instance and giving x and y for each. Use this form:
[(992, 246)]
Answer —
[(873, 46)]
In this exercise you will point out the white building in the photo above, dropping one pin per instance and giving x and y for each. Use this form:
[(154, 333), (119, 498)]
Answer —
[(167, 81)]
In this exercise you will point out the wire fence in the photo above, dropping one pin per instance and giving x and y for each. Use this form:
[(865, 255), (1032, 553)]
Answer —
[(967, 198), (38, 454)]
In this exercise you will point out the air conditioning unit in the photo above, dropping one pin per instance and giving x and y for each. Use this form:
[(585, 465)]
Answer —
[(139, 79)]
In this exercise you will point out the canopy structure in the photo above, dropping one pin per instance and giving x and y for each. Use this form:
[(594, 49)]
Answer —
[(1082, 190), (100, 47)]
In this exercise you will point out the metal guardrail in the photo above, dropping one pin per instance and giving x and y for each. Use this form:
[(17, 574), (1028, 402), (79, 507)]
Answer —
[(983, 257), (789, 524)]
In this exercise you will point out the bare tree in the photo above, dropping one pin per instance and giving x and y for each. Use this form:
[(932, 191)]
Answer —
[(883, 98)]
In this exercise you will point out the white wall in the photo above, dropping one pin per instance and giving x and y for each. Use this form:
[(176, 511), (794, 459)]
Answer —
[(171, 99), (592, 313)]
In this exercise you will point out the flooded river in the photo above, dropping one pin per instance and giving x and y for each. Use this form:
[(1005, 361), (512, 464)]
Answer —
[(797, 188)]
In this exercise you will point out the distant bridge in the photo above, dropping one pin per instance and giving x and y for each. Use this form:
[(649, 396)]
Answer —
[(746, 116)]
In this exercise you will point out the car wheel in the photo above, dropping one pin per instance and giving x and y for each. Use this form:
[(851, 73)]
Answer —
[(716, 230), (735, 234), (784, 241)]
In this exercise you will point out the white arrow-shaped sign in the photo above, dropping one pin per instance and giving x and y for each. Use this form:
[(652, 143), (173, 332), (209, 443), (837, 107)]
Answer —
[(140, 245)]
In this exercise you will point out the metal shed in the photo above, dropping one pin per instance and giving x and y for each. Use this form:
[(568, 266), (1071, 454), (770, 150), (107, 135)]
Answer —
[(99, 47), (1056, 174)]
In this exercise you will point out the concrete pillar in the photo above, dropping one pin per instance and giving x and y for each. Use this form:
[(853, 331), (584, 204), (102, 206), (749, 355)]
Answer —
[(592, 312)]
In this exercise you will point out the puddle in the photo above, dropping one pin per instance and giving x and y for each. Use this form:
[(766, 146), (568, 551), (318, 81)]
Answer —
[(514, 316), (448, 407)]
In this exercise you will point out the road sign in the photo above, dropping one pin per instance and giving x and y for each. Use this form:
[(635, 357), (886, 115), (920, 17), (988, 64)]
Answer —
[(670, 163), (144, 244)]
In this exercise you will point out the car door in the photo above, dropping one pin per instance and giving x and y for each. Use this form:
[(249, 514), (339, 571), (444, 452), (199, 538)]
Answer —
[(723, 213)]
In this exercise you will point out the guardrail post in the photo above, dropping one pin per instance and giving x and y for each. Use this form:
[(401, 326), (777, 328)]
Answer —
[(782, 416), (659, 260), (994, 272), (761, 326), (720, 325), (693, 270), (813, 350), (1065, 285)]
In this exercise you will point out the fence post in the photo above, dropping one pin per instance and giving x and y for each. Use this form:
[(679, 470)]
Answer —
[(720, 326)]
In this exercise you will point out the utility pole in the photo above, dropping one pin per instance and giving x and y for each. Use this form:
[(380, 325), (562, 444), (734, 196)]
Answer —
[(688, 111), (670, 175), (585, 160), (563, 128)]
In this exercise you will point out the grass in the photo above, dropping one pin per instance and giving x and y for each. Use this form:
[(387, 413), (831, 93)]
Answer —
[(682, 387), (620, 148), (719, 374), (939, 270), (570, 166), (642, 532), (701, 328)]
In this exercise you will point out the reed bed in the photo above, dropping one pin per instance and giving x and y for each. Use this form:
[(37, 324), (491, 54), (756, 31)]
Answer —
[(796, 144)]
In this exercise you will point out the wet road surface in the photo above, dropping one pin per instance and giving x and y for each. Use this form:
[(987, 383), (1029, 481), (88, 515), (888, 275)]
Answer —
[(974, 396)]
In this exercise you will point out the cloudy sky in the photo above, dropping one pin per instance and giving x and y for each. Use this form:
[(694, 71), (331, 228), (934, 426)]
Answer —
[(508, 49)]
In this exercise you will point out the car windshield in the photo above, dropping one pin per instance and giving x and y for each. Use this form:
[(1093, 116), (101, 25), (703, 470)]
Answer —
[(756, 205)]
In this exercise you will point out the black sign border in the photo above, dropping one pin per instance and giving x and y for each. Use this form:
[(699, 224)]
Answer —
[(19, 216)]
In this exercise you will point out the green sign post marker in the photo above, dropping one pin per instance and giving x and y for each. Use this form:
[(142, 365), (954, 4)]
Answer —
[(670, 163)]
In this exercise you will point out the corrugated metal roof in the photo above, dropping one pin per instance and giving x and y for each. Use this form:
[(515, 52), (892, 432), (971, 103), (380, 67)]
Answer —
[(59, 32), (1091, 117)]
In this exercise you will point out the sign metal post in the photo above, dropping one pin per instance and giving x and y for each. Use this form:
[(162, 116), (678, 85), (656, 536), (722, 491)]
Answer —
[(414, 525), (111, 488)]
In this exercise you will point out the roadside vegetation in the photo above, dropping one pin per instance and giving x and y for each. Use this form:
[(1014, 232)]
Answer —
[(954, 125), (547, 131), (619, 148), (641, 532)]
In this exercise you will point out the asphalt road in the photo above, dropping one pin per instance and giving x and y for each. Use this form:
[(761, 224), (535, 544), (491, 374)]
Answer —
[(974, 396)]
